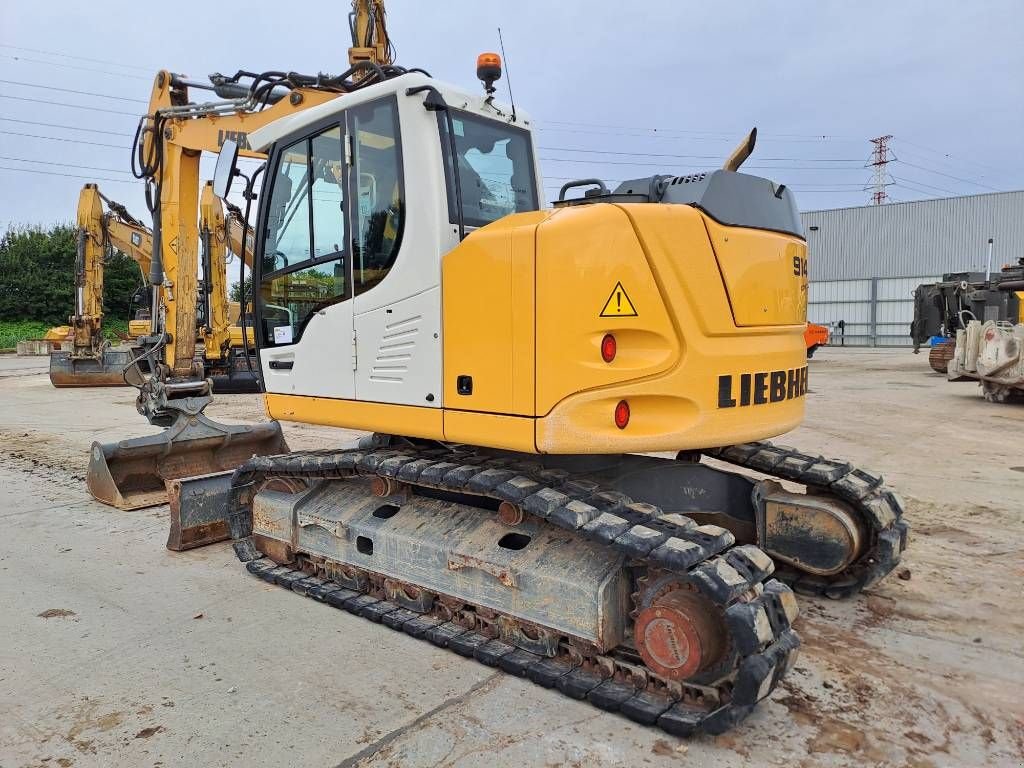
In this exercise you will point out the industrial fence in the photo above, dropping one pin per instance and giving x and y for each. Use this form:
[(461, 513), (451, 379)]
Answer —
[(868, 312)]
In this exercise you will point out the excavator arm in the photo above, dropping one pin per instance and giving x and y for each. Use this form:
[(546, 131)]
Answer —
[(87, 321), (91, 361), (175, 133), (220, 234), (370, 41)]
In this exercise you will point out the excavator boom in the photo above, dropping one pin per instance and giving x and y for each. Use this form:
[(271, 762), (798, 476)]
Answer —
[(91, 361)]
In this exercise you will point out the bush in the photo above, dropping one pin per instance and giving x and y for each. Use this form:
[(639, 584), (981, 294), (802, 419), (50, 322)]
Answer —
[(11, 332), (37, 276)]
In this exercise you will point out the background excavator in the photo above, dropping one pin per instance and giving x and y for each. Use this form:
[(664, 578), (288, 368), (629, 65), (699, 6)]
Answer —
[(92, 361), (512, 363)]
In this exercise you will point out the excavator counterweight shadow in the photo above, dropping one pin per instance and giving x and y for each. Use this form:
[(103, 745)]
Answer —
[(131, 474), (106, 370)]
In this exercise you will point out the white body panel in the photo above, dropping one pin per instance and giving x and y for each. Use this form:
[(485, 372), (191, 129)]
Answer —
[(397, 323), (399, 352), (322, 364)]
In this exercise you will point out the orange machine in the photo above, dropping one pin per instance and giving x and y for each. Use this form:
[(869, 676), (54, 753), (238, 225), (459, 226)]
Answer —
[(815, 336)]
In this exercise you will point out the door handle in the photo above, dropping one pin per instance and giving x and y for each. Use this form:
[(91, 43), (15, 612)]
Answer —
[(282, 365)]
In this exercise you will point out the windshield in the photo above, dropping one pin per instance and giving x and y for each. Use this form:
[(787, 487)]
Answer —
[(495, 168)]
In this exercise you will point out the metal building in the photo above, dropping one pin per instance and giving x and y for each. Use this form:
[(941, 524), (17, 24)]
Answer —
[(865, 262)]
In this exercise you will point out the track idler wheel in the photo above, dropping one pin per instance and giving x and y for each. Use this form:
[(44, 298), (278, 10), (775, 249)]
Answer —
[(680, 634)]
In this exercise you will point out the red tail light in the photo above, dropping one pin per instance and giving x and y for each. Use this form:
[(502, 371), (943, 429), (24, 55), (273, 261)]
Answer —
[(608, 348), (622, 414)]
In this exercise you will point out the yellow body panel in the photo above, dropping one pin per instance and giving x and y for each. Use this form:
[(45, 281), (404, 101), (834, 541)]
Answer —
[(528, 299), (138, 328), (678, 409), (761, 293), (408, 420), (488, 317), (583, 255), (510, 433), (1020, 304), (58, 333), (235, 332)]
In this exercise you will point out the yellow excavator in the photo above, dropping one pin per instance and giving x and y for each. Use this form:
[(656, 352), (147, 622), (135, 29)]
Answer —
[(92, 361), (516, 367)]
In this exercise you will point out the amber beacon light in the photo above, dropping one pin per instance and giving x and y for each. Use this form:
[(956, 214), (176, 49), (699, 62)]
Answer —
[(488, 69)]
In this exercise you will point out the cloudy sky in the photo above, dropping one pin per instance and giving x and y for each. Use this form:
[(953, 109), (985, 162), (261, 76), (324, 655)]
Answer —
[(618, 90)]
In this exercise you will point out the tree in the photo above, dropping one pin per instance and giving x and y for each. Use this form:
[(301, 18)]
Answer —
[(37, 276), (236, 293)]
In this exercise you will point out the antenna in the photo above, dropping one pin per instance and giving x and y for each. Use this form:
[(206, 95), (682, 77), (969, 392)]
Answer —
[(508, 75)]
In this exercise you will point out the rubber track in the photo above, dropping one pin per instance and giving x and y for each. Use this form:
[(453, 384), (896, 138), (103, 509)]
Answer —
[(880, 509), (763, 645)]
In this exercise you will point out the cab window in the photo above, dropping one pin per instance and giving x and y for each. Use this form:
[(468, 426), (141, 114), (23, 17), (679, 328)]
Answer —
[(380, 207), (495, 166), (304, 263)]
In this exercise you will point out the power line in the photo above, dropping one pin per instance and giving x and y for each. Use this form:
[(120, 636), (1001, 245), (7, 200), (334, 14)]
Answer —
[(957, 167), (947, 175), (63, 165), (205, 156), (732, 139), (947, 154), (72, 106), (910, 188), (69, 127), (72, 56), (68, 175), (761, 167), (72, 90), (58, 138), (76, 67), (699, 157), (922, 184), (731, 135)]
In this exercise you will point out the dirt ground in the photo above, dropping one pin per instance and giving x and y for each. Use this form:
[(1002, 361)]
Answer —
[(116, 652)]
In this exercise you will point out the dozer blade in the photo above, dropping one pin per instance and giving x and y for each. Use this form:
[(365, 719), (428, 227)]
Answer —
[(200, 510), (235, 382), (132, 474), (106, 370)]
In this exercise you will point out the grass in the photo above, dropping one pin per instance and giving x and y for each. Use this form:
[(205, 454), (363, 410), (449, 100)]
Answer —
[(13, 331)]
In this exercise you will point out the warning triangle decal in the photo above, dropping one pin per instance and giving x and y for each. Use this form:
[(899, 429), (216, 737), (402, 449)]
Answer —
[(618, 304)]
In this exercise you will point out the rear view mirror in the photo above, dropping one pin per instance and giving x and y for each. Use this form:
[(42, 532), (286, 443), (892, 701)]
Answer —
[(225, 171)]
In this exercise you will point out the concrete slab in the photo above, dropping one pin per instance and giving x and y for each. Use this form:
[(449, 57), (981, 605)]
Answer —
[(103, 661)]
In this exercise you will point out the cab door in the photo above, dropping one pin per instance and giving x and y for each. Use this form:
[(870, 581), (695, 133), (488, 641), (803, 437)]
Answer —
[(396, 278), (305, 315)]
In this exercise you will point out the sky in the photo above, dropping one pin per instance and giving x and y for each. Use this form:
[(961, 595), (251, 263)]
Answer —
[(616, 90)]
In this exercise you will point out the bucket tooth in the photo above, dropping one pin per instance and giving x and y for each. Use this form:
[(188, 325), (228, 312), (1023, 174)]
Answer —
[(132, 474)]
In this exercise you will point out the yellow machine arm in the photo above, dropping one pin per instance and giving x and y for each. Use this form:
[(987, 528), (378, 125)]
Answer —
[(370, 41), (133, 239), (87, 320), (219, 234), (99, 230), (175, 133)]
